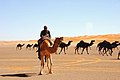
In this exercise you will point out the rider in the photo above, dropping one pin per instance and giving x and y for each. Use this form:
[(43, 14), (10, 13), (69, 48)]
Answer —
[(45, 34)]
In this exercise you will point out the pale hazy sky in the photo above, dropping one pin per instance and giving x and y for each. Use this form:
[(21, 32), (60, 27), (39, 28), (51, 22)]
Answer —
[(24, 19)]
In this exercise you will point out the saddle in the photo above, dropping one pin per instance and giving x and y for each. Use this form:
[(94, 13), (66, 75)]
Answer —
[(47, 41)]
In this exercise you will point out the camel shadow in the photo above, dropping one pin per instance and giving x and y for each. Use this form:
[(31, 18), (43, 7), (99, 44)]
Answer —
[(19, 75)]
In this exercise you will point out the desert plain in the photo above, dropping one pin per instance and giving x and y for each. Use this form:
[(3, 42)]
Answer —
[(24, 65)]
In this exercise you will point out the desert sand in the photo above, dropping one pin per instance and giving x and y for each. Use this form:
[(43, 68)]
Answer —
[(24, 64)]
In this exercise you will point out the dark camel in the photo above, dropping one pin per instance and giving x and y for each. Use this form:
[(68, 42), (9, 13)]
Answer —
[(19, 46), (29, 46), (116, 44), (35, 46), (109, 47), (105, 46), (100, 46), (83, 45), (63, 45)]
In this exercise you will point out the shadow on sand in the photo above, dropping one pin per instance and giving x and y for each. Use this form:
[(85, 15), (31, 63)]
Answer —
[(19, 75)]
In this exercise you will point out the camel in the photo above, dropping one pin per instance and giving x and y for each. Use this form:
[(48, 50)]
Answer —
[(100, 46), (109, 47), (35, 46), (83, 45), (106, 46), (46, 50), (29, 46), (116, 44), (63, 45), (19, 46)]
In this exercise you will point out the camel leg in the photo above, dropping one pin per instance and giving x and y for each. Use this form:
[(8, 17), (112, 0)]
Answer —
[(42, 65), (102, 52), (87, 50), (78, 50), (110, 52), (75, 50), (61, 50), (82, 50), (50, 72), (106, 52), (99, 50), (64, 50), (119, 55), (49, 65)]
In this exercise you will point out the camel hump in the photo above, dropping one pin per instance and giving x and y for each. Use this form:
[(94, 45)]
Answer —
[(47, 41)]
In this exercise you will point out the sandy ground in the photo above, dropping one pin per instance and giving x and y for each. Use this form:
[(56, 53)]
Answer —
[(24, 65)]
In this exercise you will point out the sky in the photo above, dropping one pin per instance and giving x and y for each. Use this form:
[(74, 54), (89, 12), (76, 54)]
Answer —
[(24, 19)]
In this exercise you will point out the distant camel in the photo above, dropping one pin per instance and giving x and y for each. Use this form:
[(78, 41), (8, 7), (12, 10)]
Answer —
[(29, 46), (116, 44), (109, 47), (100, 46), (63, 45), (105, 46), (35, 46), (46, 50), (83, 45), (19, 46)]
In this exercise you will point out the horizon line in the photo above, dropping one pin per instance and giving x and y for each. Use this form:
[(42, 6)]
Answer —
[(62, 36)]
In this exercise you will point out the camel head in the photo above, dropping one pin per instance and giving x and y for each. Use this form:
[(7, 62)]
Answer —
[(58, 40), (70, 41), (92, 42), (116, 42)]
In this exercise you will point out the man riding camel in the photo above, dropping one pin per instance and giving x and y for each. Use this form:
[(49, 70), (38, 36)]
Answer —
[(45, 34)]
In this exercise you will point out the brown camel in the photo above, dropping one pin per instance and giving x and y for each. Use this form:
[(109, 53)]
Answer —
[(19, 46), (46, 50), (29, 46)]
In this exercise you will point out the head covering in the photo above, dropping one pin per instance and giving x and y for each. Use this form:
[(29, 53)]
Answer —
[(45, 27)]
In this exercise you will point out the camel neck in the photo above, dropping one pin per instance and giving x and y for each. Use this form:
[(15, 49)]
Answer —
[(91, 43), (56, 44), (53, 49)]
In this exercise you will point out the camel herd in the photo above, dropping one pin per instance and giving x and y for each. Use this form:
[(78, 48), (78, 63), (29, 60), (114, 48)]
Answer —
[(46, 50), (104, 47), (28, 46)]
